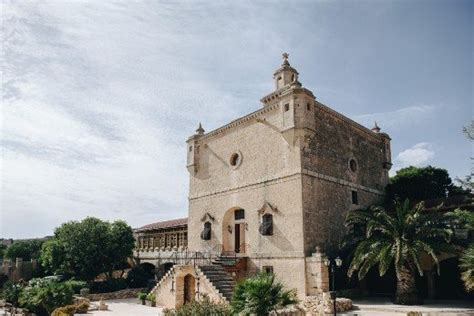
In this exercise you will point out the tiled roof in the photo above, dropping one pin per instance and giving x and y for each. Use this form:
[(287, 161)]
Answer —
[(165, 224)]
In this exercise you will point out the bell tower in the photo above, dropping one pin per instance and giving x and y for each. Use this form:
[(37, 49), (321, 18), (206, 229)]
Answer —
[(296, 104), (285, 75)]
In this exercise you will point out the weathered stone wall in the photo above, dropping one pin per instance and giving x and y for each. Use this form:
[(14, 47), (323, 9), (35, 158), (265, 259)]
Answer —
[(287, 238), (328, 180), (336, 141), (326, 205), (169, 292), (19, 269)]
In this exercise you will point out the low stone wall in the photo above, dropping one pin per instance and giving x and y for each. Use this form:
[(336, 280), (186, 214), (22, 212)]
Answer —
[(322, 304), (127, 293)]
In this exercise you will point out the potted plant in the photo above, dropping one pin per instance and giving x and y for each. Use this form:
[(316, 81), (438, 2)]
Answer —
[(142, 297), (151, 299)]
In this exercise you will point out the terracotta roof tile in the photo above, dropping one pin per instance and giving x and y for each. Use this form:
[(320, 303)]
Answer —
[(165, 224)]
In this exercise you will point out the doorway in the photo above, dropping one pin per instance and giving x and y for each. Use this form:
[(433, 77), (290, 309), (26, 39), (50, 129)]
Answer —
[(189, 288), (237, 238)]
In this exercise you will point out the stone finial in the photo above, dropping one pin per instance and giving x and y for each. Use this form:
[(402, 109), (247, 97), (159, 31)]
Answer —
[(285, 59), (376, 128), (200, 130)]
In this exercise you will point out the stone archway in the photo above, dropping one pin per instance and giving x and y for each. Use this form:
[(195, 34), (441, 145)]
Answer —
[(233, 231), (189, 288)]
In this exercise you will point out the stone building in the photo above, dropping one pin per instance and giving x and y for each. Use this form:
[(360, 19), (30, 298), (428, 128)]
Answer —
[(275, 184), (268, 192)]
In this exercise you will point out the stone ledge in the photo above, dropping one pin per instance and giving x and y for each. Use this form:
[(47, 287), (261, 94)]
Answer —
[(127, 293)]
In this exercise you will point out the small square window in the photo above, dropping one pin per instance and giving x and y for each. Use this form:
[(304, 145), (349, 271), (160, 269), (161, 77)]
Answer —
[(267, 269), (308, 106), (287, 107), (355, 198)]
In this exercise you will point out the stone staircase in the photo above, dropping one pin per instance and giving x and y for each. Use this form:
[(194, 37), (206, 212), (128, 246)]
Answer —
[(220, 279), (166, 276), (225, 260)]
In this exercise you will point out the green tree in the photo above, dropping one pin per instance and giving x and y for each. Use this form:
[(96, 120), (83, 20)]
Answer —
[(419, 184), (2, 250), (87, 248), (398, 238), (260, 295), (27, 250)]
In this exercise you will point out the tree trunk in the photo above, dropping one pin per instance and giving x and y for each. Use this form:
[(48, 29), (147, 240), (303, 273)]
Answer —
[(406, 288)]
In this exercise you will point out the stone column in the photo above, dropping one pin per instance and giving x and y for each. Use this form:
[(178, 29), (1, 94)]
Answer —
[(317, 276)]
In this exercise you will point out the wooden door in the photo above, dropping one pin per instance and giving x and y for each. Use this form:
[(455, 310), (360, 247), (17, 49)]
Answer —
[(237, 238)]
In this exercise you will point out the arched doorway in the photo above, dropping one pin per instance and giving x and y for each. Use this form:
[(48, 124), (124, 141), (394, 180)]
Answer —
[(189, 288), (233, 231)]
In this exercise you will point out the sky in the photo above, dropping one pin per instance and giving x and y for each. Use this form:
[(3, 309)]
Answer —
[(99, 97)]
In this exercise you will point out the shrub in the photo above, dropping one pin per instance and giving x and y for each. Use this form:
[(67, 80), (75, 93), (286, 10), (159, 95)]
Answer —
[(110, 285), (138, 277), (150, 297), (11, 292), (84, 291), (260, 295), (142, 296), (3, 280), (43, 295), (203, 307), (76, 286)]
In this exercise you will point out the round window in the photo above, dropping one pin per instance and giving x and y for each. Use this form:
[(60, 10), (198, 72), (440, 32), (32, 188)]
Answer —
[(235, 160), (353, 165)]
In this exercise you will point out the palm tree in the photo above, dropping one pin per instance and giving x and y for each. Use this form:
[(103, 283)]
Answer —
[(398, 237), (465, 219), (467, 265), (260, 295)]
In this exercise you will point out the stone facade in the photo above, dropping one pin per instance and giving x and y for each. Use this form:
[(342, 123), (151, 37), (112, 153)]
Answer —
[(18, 270), (182, 284), (294, 161)]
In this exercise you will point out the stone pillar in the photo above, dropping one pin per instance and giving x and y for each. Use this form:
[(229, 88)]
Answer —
[(317, 276), (34, 264), (19, 263)]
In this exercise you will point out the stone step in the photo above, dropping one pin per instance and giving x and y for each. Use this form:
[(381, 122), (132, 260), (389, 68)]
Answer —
[(220, 278)]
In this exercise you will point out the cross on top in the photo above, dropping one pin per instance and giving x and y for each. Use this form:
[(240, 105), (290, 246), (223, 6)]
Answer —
[(285, 56)]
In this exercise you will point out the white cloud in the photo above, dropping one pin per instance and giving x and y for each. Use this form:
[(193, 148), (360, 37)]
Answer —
[(399, 118), (418, 155), (99, 99)]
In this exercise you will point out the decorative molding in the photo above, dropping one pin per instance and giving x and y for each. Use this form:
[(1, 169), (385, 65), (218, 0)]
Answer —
[(266, 206), (287, 177), (207, 215), (245, 119)]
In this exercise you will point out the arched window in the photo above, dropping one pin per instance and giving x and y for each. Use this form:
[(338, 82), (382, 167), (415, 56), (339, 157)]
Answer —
[(266, 227), (239, 214), (206, 232)]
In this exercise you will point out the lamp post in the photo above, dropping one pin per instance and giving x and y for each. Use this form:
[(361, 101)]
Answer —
[(330, 264)]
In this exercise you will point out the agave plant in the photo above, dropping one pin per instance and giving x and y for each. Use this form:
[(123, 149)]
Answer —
[(399, 237), (261, 294)]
